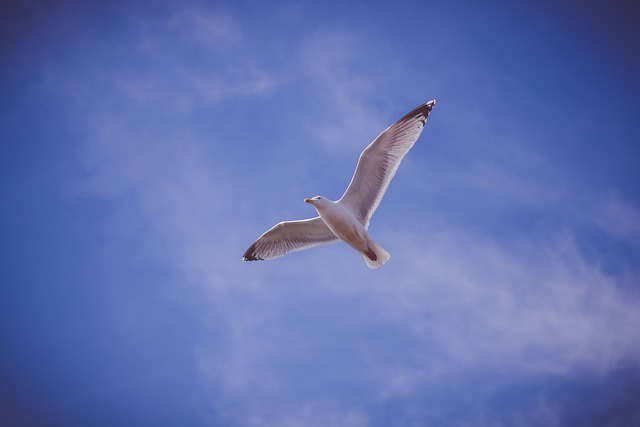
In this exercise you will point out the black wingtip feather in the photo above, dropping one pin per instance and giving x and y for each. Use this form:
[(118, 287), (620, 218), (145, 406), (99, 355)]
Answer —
[(250, 254), (422, 112)]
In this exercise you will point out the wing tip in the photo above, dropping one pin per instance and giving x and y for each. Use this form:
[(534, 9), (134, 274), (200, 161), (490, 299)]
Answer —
[(250, 254), (420, 113), (427, 107)]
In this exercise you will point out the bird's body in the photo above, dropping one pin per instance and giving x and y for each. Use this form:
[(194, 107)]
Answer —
[(348, 218), (343, 223)]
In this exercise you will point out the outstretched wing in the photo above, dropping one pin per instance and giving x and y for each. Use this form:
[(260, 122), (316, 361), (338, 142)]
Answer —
[(290, 236), (379, 162)]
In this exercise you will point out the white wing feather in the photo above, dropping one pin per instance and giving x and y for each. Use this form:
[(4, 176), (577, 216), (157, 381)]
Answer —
[(290, 236), (379, 162)]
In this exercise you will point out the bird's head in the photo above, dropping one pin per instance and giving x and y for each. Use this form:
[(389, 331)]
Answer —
[(317, 201)]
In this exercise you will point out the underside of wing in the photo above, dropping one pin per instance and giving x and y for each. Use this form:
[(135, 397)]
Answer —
[(379, 162), (290, 236)]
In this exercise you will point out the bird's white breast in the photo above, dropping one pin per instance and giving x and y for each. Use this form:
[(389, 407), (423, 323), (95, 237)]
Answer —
[(343, 223)]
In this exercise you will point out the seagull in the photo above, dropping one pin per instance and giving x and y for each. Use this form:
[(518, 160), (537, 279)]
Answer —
[(348, 218)]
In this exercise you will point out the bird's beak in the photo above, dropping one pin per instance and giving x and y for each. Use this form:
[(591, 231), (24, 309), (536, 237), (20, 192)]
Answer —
[(308, 201)]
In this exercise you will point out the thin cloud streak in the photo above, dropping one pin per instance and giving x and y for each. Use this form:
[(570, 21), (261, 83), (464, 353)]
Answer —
[(282, 339)]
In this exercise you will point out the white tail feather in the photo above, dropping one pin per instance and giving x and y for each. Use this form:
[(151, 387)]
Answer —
[(381, 255)]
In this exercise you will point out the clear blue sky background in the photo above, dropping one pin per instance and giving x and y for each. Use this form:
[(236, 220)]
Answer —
[(145, 145)]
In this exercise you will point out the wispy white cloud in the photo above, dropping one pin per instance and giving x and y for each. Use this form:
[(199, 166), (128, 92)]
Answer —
[(615, 215), (185, 60), (459, 305), (285, 337), (343, 115)]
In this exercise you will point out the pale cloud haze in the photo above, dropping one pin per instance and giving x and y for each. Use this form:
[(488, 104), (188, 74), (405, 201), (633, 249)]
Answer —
[(145, 147)]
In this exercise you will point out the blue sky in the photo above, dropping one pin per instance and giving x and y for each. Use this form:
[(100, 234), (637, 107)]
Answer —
[(145, 145)]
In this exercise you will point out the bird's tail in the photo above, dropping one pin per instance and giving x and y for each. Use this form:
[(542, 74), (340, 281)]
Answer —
[(374, 255)]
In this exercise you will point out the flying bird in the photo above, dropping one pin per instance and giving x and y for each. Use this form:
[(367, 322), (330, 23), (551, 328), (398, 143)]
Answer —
[(348, 218)]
